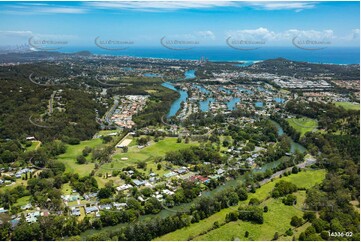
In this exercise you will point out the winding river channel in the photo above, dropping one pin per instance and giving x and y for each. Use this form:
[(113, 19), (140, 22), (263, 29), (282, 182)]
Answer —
[(203, 105), (231, 183)]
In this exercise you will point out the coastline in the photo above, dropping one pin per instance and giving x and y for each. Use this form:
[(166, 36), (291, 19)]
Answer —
[(330, 56)]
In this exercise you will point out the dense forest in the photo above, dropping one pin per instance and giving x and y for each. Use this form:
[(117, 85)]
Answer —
[(339, 153), (23, 103)]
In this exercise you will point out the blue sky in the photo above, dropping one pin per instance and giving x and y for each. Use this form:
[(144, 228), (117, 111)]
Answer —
[(209, 23)]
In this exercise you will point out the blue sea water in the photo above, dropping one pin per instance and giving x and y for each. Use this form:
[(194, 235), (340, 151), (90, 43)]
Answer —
[(335, 55)]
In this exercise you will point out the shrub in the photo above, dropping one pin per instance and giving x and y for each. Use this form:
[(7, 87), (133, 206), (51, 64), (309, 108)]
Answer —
[(296, 221)]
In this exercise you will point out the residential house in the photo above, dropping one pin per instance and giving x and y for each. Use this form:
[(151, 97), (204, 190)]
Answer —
[(105, 207), (138, 183), (220, 171), (91, 209), (27, 206), (2, 210), (119, 205), (75, 212), (124, 187)]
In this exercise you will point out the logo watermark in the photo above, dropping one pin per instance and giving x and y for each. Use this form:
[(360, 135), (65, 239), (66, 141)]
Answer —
[(46, 44), (314, 207), (39, 84), (244, 44), (310, 44), (178, 43), (109, 84), (40, 125), (113, 44)]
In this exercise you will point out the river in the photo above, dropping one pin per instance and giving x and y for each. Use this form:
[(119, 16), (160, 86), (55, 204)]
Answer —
[(294, 146), (203, 105), (176, 105)]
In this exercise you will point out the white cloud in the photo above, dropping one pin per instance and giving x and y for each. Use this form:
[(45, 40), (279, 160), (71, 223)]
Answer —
[(41, 8), (24, 36), (26, 33), (30, 8), (296, 6), (252, 34), (354, 35), (307, 34), (157, 6), (263, 34), (60, 10)]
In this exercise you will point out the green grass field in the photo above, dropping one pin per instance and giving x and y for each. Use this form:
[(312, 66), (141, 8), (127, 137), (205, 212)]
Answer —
[(107, 132), (102, 181), (277, 219), (66, 189), (22, 201), (303, 125), (18, 182), (72, 151), (279, 223), (34, 145), (348, 105), (135, 154)]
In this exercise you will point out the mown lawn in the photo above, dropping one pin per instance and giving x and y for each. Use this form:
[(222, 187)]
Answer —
[(348, 105), (22, 201), (102, 181), (303, 125), (17, 182), (72, 151), (34, 145), (66, 189), (147, 154), (306, 179)]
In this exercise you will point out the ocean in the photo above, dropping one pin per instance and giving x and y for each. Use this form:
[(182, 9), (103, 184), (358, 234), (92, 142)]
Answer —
[(331, 55)]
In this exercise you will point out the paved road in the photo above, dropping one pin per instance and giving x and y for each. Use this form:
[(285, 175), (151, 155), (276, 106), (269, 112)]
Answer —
[(51, 102), (109, 114)]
